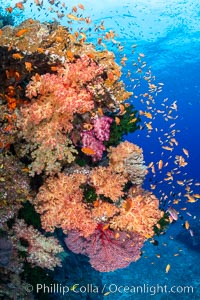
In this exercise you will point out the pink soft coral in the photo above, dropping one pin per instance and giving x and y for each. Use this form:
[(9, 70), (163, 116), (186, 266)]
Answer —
[(102, 128), (89, 140), (94, 138)]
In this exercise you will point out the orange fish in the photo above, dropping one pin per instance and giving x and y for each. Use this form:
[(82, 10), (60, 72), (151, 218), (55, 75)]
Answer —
[(167, 268), (28, 66), (9, 9), (17, 56), (187, 225), (196, 195), (185, 151), (87, 126), (21, 32), (100, 111), (167, 148), (88, 20), (74, 9), (122, 109), (37, 2), (54, 68), (40, 50), (31, 21), (127, 204), (149, 126), (96, 203), (19, 5), (148, 115), (73, 17), (117, 120), (117, 235), (70, 55), (160, 164), (81, 6), (88, 151), (190, 198), (1, 32)]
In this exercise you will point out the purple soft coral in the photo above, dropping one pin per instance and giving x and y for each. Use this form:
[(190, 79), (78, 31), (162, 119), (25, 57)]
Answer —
[(102, 128), (89, 140), (94, 138)]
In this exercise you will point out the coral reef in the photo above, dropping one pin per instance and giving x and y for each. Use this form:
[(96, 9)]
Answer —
[(64, 165)]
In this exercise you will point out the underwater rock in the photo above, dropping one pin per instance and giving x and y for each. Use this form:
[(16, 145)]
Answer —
[(5, 251)]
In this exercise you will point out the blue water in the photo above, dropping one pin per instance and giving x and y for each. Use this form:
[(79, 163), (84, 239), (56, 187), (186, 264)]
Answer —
[(169, 36)]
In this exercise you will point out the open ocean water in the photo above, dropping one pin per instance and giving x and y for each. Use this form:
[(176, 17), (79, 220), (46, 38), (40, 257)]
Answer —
[(166, 34)]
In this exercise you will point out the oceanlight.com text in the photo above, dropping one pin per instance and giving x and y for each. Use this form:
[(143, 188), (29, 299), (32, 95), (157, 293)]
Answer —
[(150, 289), (111, 288)]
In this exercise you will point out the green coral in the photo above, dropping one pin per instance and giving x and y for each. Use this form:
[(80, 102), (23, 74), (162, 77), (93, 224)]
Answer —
[(124, 127), (29, 214), (163, 222), (89, 194)]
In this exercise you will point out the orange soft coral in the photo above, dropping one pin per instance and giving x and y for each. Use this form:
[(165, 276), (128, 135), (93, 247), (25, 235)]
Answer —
[(127, 158), (103, 211), (138, 213), (107, 182), (45, 122), (59, 202)]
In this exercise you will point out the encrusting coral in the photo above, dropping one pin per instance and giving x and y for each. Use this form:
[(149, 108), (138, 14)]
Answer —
[(14, 187)]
